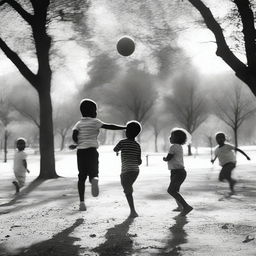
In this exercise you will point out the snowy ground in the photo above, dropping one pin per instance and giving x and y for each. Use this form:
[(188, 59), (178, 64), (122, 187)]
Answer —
[(44, 219)]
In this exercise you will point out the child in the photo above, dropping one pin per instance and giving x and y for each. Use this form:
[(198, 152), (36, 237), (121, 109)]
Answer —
[(178, 173), (131, 159), (227, 159), (85, 134), (20, 164)]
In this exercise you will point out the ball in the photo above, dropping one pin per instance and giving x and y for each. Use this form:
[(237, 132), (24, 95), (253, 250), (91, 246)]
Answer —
[(125, 46)]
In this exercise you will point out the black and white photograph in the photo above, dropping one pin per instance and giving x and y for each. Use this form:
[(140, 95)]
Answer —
[(127, 128)]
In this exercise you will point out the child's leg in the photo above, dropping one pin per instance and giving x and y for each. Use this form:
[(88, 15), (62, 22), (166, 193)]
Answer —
[(82, 168), (225, 174), (177, 178), (127, 180), (94, 171)]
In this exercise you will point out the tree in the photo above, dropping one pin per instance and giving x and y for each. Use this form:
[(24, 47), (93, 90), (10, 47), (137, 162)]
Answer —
[(41, 80), (134, 97), (243, 19), (5, 119), (235, 109), (187, 104)]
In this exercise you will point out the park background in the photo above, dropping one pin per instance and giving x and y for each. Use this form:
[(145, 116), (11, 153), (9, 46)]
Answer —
[(67, 52)]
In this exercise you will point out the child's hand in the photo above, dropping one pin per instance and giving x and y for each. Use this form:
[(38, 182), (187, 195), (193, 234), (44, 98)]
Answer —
[(164, 158), (117, 153), (28, 171), (248, 158), (72, 146), (212, 161)]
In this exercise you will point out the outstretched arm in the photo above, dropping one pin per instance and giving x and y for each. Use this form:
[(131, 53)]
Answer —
[(242, 152), (168, 157), (113, 127)]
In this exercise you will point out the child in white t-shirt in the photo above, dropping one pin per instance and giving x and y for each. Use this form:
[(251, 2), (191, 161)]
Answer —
[(176, 166), (85, 134), (20, 164), (227, 159)]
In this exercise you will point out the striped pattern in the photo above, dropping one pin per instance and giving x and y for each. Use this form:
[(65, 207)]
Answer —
[(88, 130), (130, 154)]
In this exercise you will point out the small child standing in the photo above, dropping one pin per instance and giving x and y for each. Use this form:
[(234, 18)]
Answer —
[(227, 159), (85, 134), (176, 166), (131, 159), (20, 164)]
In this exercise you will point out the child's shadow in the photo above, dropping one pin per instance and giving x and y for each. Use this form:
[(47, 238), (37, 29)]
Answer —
[(60, 244), (178, 237), (118, 241), (22, 194)]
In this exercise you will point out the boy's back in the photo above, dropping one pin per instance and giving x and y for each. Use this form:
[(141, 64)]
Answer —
[(130, 154), (88, 130)]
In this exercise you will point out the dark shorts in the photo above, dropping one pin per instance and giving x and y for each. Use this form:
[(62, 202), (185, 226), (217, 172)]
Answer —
[(87, 163), (177, 178), (225, 173), (127, 180)]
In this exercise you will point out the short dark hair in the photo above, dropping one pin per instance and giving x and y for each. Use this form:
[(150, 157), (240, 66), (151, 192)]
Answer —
[(88, 108), (20, 140), (180, 136), (220, 134), (133, 128)]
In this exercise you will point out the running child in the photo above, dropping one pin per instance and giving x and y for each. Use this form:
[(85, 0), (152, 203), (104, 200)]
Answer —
[(227, 159), (131, 159), (178, 172), (85, 134), (20, 164)]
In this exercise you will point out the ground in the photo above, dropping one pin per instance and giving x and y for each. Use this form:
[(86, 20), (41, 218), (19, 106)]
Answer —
[(44, 218)]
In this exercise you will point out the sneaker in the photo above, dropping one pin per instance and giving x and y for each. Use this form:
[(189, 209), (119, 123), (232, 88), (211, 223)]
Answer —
[(95, 187), (186, 210), (15, 183), (82, 206)]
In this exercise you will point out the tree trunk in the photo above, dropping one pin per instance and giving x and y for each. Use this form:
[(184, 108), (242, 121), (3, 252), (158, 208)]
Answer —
[(156, 147), (5, 145), (236, 136), (189, 150), (62, 144), (47, 161)]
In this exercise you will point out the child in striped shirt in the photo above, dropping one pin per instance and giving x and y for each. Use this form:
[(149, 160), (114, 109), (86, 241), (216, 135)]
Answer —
[(85, 134), (131, 159)]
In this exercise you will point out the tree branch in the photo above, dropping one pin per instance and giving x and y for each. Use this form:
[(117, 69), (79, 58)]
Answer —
[(16, 60), (18, 8)]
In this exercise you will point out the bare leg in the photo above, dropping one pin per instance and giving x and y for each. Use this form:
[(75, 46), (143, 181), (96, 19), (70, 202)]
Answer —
[(133, 213)]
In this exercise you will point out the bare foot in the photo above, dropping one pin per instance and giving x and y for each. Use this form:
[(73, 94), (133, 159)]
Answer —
[(186, 210)]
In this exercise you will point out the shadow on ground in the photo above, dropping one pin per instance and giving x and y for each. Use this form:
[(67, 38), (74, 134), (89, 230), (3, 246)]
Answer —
[(24, 192), (177, 238), (118, 241), (60, 245)]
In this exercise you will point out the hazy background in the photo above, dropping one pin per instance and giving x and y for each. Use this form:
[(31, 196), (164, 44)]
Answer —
[(173, 78)]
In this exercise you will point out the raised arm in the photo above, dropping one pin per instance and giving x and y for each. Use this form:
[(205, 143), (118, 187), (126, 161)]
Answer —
[(242, 152), (113, 126)]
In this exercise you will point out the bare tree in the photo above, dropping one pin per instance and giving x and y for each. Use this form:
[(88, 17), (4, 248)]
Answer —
[(135, 97), (65, 116), (236, 109), (244, 19), (5, 119), (187, 104)]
